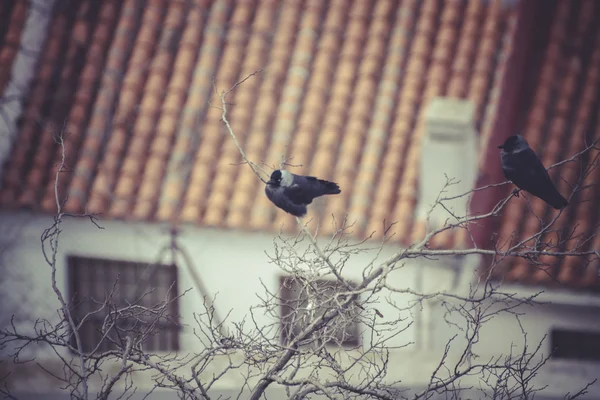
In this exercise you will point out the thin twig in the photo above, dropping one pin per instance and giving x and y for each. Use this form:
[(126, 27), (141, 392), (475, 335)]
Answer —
[(53, 238), (223, 98)]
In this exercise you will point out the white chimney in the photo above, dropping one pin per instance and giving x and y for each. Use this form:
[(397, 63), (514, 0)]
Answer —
[(448, 151)]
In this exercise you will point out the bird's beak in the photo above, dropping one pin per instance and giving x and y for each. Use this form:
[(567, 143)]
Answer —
[(269, 182), (501, 146)]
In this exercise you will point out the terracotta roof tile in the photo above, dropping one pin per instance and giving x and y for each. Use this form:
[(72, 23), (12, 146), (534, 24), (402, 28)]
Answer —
[(187, 138), (124, 143), (312, 95), (490, 41), (35, 147), (289, 57), (491, 114), (143, 144), (343, 91), (533, 131), (236, 40), (465, 50), (12, 18), (406, 195), (100, 123)]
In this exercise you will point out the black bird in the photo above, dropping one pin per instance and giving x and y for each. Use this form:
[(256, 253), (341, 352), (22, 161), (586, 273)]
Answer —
[(523, 167), (292, 193)]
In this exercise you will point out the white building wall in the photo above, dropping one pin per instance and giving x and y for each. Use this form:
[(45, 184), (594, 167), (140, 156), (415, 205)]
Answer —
[(233, 264), (502, 335)]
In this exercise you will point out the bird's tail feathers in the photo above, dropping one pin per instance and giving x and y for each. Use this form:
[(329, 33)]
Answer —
[(558, 201), (330, 187)]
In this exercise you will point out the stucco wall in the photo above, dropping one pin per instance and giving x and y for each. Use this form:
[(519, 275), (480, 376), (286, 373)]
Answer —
[(233, 264)]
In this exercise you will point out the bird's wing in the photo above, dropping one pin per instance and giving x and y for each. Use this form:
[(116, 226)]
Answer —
[(304, 189), (527, 172), (281, 200), (538, 169), (300, 194)]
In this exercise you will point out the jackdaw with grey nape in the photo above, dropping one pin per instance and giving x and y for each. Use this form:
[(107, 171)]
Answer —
[(522, 166), (292, 193)]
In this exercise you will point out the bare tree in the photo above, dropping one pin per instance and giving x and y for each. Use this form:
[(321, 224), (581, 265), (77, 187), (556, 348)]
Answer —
[(309, 348)]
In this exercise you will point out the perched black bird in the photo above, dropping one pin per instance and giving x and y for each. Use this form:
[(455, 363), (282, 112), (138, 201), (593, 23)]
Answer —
[(523, 167), (292, 193)]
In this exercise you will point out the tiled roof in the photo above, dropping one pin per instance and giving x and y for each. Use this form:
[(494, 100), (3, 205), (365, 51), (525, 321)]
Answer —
[(343, 91), (12, 20), (562, 115)]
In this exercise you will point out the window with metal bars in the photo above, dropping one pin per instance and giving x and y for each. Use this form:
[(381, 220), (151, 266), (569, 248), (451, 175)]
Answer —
[(575, 345), (302, 301), (116, 301)]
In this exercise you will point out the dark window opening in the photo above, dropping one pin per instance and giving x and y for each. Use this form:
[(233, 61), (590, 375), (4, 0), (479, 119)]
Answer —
[(120, 301), (303, 301), (575, 345)]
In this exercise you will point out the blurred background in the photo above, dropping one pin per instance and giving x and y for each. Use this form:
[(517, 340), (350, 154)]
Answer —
[(344, 91)]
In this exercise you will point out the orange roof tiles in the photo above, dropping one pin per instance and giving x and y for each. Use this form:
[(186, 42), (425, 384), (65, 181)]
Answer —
[(343, 92), (13, 14), (18, 169), (104, 135)]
